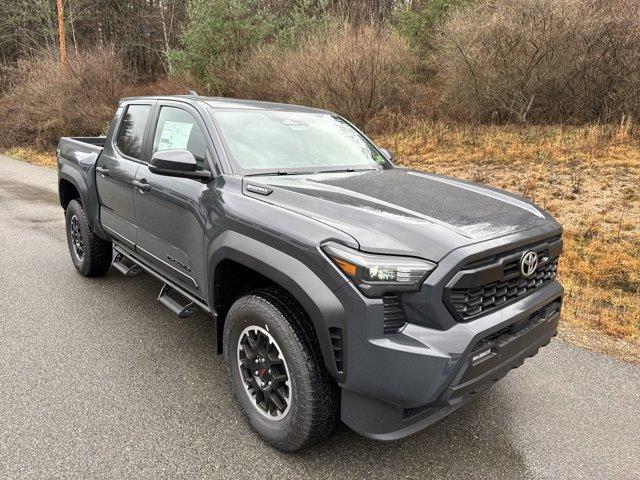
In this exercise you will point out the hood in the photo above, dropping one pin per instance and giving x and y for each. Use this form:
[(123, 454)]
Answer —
[(401, 211)]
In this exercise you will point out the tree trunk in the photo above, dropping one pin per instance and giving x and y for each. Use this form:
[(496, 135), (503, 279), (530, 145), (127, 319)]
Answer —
[(61, 36)]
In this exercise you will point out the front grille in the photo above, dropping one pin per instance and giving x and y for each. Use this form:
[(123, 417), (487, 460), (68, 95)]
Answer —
[(395, 317), (479, 291)]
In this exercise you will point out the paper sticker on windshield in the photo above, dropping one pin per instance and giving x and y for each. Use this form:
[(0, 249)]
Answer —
[(175, 135)]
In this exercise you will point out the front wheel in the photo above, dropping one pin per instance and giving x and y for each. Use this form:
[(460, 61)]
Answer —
[(276, 371), (90, 254)]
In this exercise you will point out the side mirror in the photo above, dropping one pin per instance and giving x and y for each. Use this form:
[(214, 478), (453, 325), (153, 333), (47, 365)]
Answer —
[(177, 163), (389, 155)]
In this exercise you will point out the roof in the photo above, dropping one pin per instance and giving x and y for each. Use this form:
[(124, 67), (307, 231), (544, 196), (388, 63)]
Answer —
[(234, 103)]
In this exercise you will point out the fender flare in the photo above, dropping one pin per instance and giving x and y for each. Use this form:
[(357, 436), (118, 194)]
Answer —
[(320, 303), (90, 202)]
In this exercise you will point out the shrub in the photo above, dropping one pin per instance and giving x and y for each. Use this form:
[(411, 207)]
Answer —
[(221, 33), (49, 102), (418, 24), (542, 60), (355, 72), (7, 76), (173, 85)]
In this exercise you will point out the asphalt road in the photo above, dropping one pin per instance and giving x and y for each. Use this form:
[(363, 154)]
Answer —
[(97, 380)]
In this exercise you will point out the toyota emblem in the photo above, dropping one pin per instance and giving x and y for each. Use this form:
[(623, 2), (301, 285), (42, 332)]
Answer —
[(528, 263)]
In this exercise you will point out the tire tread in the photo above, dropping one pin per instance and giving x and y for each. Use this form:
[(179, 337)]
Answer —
[(98, 252), (321, 408)]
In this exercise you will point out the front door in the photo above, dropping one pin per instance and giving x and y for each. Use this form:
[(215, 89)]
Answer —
[(116, 169), (171, 211)]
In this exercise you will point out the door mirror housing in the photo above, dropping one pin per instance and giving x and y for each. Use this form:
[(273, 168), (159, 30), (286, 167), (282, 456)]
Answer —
[(388, 154), (177, 163)]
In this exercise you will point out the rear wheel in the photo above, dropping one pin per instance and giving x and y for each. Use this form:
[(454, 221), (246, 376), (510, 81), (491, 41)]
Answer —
[(90, 254), (276, 371)]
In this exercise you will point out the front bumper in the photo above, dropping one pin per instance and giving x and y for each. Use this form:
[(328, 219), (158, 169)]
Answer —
[(407, 381)]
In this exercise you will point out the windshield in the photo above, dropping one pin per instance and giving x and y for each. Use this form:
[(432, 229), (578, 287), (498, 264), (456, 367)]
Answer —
[(280, 141)]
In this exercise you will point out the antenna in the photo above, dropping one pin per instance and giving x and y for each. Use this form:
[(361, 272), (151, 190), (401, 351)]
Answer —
[(193, 93)]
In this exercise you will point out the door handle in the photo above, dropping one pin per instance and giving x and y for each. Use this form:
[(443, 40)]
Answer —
[(141, 185), (102, 171)]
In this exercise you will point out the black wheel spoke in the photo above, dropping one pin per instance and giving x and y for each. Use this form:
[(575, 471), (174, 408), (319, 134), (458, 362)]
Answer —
[(273, 358), (246, 362), (277, 401), (277, 362), (252, 342), (249, 351), (263, 342), (283, 391)]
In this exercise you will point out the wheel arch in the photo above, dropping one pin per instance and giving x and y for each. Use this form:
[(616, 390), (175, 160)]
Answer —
[(279, 269), (72, 185), (67, 191)]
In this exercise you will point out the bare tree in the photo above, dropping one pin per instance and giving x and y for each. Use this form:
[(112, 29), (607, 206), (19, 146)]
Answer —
[(61, 35)]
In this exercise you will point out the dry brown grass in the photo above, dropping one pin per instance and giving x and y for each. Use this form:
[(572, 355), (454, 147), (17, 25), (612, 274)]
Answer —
[(587, 177), (44, 158)]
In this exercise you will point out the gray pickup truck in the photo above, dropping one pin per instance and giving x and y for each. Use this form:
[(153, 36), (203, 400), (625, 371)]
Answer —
[(342, 287)]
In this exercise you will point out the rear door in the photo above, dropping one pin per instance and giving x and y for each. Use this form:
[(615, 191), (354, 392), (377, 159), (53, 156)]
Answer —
[(171, 211), (116, 170)]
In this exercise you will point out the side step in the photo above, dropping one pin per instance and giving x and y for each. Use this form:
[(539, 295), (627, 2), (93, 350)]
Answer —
[(127, 270), (126, 263), (182, 311)]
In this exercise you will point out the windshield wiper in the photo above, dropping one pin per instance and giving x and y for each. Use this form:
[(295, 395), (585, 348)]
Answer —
[(311, 172), (349, 169), (281, 172)]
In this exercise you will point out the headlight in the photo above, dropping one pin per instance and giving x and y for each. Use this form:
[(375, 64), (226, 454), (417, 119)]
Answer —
[(376, 274)]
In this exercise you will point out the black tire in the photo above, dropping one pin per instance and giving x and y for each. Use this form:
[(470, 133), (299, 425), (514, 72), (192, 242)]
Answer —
[(313, 408), (90, 254)]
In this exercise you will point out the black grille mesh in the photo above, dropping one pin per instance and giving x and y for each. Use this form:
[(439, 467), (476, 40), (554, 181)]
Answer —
[(473, 302)]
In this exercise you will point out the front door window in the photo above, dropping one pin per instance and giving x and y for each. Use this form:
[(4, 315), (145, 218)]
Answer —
[(178, 129)]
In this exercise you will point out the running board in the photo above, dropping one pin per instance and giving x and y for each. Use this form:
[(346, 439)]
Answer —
[(131, 257), (126, 270), (182, 311)]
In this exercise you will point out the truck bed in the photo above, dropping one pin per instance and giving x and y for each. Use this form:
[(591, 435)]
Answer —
[(80, 151)]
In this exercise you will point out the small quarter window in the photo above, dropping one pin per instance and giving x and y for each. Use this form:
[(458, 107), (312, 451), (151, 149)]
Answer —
[(132, 129)]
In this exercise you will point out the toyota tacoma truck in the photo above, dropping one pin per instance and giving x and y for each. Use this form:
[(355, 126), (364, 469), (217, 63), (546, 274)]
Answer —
[(343, 288)]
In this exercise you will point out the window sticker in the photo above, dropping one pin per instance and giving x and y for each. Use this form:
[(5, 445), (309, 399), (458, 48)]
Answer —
[(175, 135)]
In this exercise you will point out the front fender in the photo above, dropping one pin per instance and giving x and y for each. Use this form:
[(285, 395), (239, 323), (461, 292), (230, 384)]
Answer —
[(322, 306)]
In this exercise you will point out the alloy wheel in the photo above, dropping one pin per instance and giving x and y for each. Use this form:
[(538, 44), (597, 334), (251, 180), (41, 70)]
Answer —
[(76, 237), (264, 372)]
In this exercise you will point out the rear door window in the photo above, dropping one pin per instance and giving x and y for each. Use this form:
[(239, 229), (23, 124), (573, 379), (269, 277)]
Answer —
[(132, 127), (178, 129)]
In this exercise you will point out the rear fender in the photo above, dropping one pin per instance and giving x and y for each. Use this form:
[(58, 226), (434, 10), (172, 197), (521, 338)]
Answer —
[(88, 195)]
